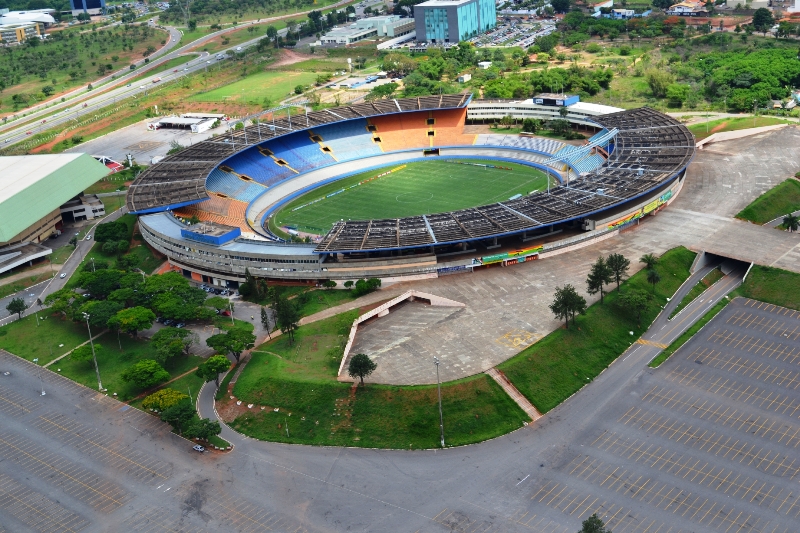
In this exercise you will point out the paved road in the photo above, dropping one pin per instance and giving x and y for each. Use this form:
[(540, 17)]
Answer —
[(90, 464), (40, 291), (86, 104)]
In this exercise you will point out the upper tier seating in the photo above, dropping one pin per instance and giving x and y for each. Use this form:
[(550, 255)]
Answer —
[(230, 185), (348, 140), (409, 131), (537, 144)]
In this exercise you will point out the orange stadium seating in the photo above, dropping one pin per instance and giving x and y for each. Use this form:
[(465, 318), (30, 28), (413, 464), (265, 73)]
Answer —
[(409, 131), (225, 211)]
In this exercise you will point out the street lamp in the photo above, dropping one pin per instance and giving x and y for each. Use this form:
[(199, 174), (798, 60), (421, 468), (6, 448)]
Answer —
[(439, 389), (94, 357), (36, 360)]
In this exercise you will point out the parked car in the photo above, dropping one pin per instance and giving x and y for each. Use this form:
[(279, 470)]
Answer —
[(62, 276), (225, 313), (198, 448)]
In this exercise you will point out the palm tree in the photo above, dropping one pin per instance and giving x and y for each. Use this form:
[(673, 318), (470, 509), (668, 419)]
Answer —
[(653, 277), (649, 260), (791, 222)]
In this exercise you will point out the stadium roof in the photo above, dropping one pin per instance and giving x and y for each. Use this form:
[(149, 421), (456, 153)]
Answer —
[(31, 186), (594, 108)]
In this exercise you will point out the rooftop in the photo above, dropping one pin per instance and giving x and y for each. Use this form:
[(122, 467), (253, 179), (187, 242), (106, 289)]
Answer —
[(598, 109), (443, 3), (31, 186)]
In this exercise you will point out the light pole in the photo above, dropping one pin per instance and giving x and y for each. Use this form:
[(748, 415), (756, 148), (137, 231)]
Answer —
[(36, 360), (94, 357), (439, 389)]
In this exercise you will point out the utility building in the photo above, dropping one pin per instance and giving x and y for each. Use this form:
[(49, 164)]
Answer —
[(451, 21)]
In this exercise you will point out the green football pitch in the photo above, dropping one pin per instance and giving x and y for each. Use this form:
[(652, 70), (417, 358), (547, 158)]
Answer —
[(420, 188)]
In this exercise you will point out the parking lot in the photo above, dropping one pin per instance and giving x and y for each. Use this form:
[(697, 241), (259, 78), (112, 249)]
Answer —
[(707, 442)]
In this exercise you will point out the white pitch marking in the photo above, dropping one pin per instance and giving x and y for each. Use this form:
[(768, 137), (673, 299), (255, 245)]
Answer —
[(523, 479)]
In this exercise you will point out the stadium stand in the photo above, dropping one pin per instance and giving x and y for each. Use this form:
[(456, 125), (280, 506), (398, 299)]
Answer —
[(348, 140), (219, 210), (536, 144), (179, 179), (650, 150), (232, 186), (410, 131)]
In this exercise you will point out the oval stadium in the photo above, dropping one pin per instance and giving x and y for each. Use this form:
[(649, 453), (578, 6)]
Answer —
[(399, 190)]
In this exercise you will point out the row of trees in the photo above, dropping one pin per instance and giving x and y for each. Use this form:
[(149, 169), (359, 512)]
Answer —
[(568, 303)]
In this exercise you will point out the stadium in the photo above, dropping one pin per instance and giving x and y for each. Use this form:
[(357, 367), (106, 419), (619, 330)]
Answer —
[(396, 189)]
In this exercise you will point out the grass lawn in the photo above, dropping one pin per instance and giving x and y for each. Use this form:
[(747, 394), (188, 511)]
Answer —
[(224, 322), (689, 333), (419, 188), (732, 124), (300, 381), (780, 200), (707, 281), (71, 61), (24, 283), (773, 285), (185, 384), (24, 339), (273, 85), (557, 366), (319, 65), (60, 255), (112, 362)]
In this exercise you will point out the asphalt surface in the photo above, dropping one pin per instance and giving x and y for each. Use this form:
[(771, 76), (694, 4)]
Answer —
[(40, 291), (73, 460), (82, 103)]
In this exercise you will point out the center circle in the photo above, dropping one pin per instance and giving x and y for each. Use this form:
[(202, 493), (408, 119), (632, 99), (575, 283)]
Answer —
[(413, 197)]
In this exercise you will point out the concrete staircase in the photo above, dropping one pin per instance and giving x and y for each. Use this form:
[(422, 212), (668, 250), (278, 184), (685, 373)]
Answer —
[(512, 391)]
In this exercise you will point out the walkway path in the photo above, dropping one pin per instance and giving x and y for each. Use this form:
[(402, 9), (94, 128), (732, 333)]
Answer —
[(512, 391)]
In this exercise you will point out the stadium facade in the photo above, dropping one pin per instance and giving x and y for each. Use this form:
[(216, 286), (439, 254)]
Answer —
[(630, 168)]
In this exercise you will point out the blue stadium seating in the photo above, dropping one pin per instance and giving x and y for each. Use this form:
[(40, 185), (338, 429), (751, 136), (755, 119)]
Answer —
[(348, 140), (230, 185), (588, 163)]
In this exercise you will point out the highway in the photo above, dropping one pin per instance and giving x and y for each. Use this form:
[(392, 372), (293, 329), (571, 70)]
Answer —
[(83, 104)]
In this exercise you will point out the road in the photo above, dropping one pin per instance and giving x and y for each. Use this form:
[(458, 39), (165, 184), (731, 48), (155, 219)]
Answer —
[(40, 291), (85, 104)]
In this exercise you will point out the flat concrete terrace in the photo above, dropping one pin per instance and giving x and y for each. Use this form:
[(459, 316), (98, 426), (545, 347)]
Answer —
[(506, 308)]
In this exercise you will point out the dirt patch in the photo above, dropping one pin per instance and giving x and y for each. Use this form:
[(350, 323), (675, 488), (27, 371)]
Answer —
[(228, 410), (719, 127), (290, 57)]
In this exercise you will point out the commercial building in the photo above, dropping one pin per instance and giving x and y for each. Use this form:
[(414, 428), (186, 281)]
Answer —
[(82, 207), (372, 27), (92, 7), (32, 190), (451, 21), (42, 16), (542, 107), (20, 32)]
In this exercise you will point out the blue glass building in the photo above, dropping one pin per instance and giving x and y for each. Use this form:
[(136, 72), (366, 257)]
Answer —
[(451, 21)]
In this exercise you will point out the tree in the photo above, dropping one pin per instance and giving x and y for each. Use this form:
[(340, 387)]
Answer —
[(16, 305), (653, 277), (287, 317), (203, 429), (132, 320), (361, 366), (74, 242), (398, 64), (212, 368), (791, 222), (298, 89), (265, 321), (635, 301), (110, 231), (217, 302), (560, 6), (562, 111), (179, 415), (381, 91), (567, 303), (83, 353), (171, 342), (593, 524), (235, 341), (763, 20), (145, 374), (619, 265), (272, 33), (163, 399), (192, 25), (650, 261), (599, 276), (658, 80)]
